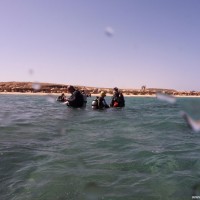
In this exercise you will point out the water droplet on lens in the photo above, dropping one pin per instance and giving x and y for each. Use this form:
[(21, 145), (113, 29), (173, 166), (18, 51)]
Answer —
[(63, 131), (193, 124), (30, 71), (92, 190), (6, 119), (109, 31), (36, 86), (31, 180), (166, 97), (51, 99)]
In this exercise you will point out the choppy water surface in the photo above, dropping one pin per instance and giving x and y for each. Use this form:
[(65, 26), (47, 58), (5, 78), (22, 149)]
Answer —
[(51, 152)]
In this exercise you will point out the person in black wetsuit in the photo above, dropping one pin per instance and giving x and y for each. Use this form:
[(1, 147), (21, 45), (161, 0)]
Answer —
[(76, 99), (62, 98), (100, 102), (84, 98), (117, 99)]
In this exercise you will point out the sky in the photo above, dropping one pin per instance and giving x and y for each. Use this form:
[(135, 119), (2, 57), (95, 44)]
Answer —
[(102, 43)]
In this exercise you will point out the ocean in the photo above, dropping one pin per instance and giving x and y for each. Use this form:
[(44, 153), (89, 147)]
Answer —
[(144, 151)]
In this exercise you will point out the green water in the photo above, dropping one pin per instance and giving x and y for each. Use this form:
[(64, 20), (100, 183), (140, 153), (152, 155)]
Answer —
[(50, 152)]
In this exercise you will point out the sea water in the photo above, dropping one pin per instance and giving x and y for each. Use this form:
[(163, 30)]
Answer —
[(143, 151)]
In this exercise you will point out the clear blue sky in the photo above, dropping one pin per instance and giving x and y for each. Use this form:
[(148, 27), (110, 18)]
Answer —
[(155, 42)]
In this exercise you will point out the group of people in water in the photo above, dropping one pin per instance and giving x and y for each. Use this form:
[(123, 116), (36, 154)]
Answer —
[(78, 99)]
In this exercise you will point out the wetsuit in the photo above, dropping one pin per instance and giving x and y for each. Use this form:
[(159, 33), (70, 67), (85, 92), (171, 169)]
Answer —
[(84, 99), (117, 100), (99, 103), (61, 98), (75, 100)]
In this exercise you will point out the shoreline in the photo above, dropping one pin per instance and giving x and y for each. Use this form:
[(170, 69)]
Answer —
[(92, 95)]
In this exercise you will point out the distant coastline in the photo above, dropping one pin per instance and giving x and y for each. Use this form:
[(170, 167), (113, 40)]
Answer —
[(31, 88)]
